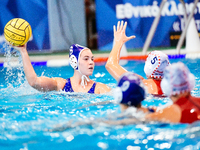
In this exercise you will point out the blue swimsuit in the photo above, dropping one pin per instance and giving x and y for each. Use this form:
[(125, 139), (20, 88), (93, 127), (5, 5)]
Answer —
[(68, 87)]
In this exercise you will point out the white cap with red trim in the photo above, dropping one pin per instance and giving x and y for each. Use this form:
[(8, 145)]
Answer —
[(177, 79), (155, 64)]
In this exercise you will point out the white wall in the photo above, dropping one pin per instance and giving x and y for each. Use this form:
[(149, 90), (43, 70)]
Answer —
[(66, 26)]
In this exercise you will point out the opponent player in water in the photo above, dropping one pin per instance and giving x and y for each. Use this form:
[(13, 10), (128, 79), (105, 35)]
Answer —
[(129, 93), (178, 83), (154, 65), (82, 61)]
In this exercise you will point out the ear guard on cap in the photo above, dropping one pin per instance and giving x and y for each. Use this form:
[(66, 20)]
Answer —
[(73, 62), (74, 54)]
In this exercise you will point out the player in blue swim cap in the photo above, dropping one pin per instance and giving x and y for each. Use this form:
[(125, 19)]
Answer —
[(81, 60), (130, 91), (74, 55)]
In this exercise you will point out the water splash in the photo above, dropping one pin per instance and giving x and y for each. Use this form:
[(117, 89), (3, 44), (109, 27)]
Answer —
[(13, 66)]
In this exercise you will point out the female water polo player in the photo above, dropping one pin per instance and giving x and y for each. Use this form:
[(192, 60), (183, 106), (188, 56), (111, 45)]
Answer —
[(82, 61), (154, 65), (129, 94), (178, 83)]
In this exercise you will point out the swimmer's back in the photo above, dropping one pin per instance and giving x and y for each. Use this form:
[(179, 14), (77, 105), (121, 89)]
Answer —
[(190, 109)]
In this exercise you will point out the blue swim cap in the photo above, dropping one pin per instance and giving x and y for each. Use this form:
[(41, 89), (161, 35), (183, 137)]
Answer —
[(74, 54), (130, 90)]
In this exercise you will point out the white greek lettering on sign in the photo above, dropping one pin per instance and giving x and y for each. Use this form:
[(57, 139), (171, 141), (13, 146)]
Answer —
[(170, 8)]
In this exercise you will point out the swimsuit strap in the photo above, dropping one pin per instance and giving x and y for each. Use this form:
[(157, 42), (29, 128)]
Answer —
[(92, 90), (158, 83), (68, 86)]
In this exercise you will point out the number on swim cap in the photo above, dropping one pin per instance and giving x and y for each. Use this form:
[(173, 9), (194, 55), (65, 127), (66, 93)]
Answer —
[(154, 60)]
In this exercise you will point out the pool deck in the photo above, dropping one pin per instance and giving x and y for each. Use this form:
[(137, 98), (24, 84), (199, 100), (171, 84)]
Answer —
[(46, 57), (61, 59)]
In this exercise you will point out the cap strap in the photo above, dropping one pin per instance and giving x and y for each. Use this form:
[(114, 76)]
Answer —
[(84, 80)]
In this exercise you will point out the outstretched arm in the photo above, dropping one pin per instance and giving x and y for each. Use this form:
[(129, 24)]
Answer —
[(40, 83), (171, 114), (120, 38)]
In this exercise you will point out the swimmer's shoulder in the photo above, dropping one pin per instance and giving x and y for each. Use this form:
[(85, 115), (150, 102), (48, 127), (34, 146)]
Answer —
[(148, 81), (150, 84), (197, 99), (153, 86), (101, 88), (60, 83)]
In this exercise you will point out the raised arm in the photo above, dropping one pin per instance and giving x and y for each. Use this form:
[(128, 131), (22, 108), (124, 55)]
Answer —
[(40, 83), (120, 38)]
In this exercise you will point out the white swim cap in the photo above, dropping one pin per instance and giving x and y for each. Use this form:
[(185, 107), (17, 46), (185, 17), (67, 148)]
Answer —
[(155, 64), (177, 79)]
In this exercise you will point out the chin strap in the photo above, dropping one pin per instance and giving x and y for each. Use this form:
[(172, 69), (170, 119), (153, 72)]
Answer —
[(84, 80)]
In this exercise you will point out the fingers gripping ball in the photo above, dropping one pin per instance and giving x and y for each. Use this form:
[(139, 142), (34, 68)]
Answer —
[(17, 32)]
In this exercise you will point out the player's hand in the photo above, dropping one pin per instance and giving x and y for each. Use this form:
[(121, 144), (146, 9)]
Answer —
[(20, 48), (119, 33)]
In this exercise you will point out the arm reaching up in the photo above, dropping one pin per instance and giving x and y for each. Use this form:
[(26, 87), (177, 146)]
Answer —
[(40, 83), (120, 38)]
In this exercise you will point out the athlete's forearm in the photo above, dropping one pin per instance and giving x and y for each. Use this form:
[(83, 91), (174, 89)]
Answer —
[(112, 64), (40, 83), (28, 68), (120, 38)]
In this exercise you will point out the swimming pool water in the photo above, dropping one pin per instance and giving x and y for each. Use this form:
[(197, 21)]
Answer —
[(27, 116)]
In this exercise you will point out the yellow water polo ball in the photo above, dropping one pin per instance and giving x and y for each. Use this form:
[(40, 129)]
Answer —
[(17, 32)]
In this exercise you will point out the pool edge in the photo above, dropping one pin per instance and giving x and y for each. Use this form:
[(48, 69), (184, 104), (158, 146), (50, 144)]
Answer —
[(65, 62)]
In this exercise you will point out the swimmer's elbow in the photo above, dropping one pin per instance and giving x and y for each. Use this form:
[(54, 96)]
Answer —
[(107, 66), (110, 67), (32, 83), (110, 63), (40, 84), (35, 85)]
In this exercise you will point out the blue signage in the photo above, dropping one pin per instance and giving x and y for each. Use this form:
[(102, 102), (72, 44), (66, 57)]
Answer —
[(139, 16), (33, 11)]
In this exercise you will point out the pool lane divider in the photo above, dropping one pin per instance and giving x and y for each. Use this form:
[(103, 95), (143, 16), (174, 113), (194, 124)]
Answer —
[(65, 62)]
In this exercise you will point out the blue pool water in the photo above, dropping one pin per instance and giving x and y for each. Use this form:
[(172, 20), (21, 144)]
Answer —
[(27, 116)]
